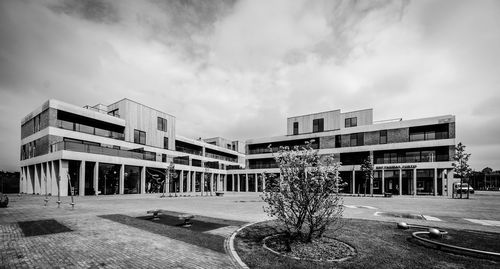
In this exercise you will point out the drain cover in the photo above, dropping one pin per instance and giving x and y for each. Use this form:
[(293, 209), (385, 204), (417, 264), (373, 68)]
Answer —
[(42, 227)]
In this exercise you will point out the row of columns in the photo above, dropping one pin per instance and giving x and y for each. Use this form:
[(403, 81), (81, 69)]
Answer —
[(414, 181), (236, 179)]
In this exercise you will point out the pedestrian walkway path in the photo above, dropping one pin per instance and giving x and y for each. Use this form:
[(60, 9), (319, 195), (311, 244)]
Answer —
[(485, 222), (360, 206)]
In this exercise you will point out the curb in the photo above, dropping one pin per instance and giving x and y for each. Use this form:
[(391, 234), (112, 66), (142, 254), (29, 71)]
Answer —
[(229, 246)]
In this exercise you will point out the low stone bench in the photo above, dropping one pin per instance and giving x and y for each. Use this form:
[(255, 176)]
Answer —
[(387, 194), (186, 218), (155, 213), (219, 194)]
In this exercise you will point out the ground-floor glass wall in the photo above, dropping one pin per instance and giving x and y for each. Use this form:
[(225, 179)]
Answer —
[(89, 178), (155, 178), (377, 182), (73, 177), (407, 179), (251, 182), (391, 181), (425, 181), (109, 178), (132, 179)]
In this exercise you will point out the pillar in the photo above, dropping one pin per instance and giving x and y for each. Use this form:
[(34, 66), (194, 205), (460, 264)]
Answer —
[(224, 187), (143, 179), (211, 182), (43, 178), (53, 177), (400, 182), (202, 183), (36, 186), (246, 182), (81, 180), (415, 182), (353, 181), (256, 179), (233, 178), (96, 178), (371, 185), (181, 182), (193, 181), (435, 181), (263, 183), (121, 179), (238, 180), (63, 177), (383, 181), (188, 181)]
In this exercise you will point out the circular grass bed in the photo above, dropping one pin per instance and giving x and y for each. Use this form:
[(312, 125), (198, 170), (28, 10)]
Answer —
[(377, 244), (325, 249)]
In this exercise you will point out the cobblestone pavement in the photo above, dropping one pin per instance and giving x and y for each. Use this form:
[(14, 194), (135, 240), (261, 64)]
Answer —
[(100, 243)]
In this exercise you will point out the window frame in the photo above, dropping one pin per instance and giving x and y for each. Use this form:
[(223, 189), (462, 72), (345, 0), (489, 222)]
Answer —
[(351, 122), (320, 126), (383, 133), (138, 137), (162, 124), (296, 128)]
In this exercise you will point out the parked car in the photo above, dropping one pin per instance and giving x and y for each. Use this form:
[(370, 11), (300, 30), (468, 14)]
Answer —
[(462, 188)]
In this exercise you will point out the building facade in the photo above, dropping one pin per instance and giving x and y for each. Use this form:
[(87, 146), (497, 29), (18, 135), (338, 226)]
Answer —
[(127, 147)]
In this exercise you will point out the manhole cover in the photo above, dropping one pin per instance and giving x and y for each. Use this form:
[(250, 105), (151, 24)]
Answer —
[(42, 227), (400, 215)]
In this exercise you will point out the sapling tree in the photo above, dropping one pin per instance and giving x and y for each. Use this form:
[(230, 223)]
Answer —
[(304, 197), (461, 166), (367, 169)]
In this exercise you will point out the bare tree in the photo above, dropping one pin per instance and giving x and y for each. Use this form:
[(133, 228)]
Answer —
[(367, 169), (304, 198)]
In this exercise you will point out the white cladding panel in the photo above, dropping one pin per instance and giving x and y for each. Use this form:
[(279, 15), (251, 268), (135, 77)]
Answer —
[(144, 118), (364, 117), (331, 122)]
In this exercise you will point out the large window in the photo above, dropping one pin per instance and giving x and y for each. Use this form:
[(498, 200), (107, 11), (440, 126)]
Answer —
[(165, 142), (351, 122), (338, 141), (295, 128), (357, 140), (383, 137), (162, 124), (318, 125), (36, 125), (139, 137)]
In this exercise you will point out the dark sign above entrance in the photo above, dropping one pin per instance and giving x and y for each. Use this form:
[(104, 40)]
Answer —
[(395, 166)]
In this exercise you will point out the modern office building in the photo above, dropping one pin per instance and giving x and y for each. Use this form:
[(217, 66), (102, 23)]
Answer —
[(127, 147)]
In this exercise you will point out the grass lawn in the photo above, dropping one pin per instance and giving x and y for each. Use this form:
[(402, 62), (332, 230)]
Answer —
[(378, 245), (166, 228)]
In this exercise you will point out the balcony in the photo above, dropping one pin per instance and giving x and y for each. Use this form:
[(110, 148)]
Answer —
[(263, 166), (77, 127), (80, 147), (220, 157), (188, 150)]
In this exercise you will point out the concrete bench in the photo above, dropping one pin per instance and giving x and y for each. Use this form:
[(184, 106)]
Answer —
[(155, 213), (186, 218), (387, 194), (219, 194)]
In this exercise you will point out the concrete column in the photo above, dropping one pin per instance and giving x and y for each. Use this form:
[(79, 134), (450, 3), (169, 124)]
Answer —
[(181, 182), (400, 181), (121, 180), (256, 179), (166, 184), (143, 179), (43, 179), (239, 182), (371, 185), (48, 177), (435, 182), (353, 182), (233, 178), (36, 186), (188, 181), (415, 182), (246, 182), (96, 178), (263, 183), (63, 177), (383, 181), (81, 180), (193, 181), (224, 187), (202, 185), (53, 177), (211, 182)]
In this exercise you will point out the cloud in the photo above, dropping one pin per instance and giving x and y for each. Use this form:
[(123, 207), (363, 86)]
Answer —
[(238, 68)]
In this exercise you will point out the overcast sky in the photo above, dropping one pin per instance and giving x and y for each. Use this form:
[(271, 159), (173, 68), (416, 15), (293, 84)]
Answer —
[(237, 69)]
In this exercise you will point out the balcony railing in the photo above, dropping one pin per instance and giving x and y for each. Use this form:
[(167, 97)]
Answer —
[(263, 166), (187, 150), (79, 147), (220, 157), (276, 149), (77, 127)]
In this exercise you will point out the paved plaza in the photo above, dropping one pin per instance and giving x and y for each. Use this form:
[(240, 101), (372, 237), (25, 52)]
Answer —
[(97, 242)]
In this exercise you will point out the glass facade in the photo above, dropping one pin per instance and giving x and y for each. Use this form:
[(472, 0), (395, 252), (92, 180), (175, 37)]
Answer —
[(318, 125)]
